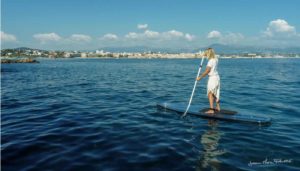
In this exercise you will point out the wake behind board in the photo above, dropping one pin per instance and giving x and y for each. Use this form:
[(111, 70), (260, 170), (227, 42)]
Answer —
[(231, 116)]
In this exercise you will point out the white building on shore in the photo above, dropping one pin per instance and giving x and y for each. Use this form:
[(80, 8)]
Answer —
[(83, 55)]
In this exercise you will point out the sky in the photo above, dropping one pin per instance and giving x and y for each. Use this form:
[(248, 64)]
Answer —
[(93, 24)]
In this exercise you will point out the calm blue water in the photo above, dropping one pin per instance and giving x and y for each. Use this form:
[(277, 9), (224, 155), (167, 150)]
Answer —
[(100, 114)]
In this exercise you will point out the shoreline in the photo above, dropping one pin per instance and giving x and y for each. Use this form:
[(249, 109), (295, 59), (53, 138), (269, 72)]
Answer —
[(21, 60), (170, 57), (7, 60)]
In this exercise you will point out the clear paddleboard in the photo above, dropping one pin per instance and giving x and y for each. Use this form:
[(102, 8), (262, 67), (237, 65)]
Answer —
[(226, 115)]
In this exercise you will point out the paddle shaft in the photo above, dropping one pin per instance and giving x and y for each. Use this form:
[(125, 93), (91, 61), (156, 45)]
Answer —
[(195, 84)]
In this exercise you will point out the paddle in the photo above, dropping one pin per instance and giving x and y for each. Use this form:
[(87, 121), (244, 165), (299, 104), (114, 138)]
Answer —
[(195, 84)]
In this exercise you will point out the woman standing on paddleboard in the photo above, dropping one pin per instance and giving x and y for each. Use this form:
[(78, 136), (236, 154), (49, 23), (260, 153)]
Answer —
[(213, 84)]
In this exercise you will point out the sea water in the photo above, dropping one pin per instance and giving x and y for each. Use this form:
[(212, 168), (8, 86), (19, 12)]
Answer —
[(100, 114)]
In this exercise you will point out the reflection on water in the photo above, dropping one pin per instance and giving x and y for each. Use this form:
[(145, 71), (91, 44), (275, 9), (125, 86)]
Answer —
[(211, 150)]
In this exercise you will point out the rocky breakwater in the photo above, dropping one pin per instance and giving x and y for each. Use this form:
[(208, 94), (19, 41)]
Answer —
[(26, 60)]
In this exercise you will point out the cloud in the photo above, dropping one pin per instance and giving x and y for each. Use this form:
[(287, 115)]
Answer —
[(279, 27), (132, 35), (279, 33), (5, 37), (151, 34), (168, 35), (80, 38), (176, 35), (173, 33), (214, 35), (53, 37), (228, 38), (142, 26), (232, 38), (45, 37), (189, 37), (160, 36), (147, 34), (110, 36)]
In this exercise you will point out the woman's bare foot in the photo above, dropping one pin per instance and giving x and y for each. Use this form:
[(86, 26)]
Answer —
[(210, 111)]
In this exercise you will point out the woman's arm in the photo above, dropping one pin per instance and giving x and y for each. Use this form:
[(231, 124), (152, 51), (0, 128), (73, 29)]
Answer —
[(207, 70)]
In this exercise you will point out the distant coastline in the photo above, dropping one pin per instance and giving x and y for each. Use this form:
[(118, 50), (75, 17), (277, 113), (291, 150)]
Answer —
[(18, 53), (33, 60)]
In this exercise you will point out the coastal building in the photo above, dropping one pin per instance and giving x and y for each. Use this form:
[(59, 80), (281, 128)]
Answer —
[(52, 54), (83, 55), (67, 55)]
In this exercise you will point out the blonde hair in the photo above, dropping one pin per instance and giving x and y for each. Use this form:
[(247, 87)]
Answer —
[(210, 53)]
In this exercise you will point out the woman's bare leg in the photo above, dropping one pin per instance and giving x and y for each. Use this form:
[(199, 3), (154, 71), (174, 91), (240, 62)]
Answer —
[(211, 103), (218, 108), (218, 105)]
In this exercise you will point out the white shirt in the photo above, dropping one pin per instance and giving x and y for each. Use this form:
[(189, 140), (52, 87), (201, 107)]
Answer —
[(213, 64)]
